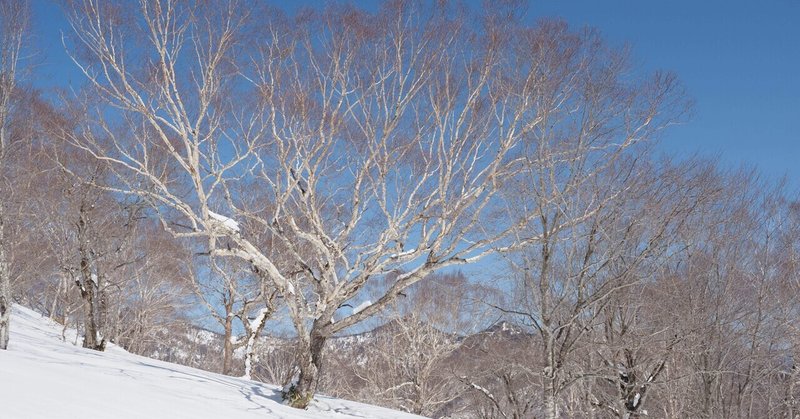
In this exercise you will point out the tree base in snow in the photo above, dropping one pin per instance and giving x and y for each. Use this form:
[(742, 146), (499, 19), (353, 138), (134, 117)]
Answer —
[(297, 399), (96, 346), (5, 320)]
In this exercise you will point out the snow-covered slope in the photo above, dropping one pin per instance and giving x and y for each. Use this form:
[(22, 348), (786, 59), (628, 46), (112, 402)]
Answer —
[(43, 377)]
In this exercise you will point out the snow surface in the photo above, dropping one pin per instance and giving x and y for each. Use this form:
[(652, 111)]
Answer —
[(43, 377)]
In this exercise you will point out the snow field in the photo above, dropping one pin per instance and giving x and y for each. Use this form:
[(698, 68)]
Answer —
[(42, 377)]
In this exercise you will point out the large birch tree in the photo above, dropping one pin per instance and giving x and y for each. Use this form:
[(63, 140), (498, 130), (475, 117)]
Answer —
[(378, 144)]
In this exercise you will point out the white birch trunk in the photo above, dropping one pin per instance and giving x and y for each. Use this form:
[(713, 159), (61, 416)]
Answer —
[(250, 351)]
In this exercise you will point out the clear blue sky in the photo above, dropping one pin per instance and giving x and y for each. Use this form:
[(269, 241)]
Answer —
[(739, 60)]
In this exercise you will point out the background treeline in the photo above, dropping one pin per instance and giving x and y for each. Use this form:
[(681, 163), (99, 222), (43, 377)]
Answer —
[(443, 211)]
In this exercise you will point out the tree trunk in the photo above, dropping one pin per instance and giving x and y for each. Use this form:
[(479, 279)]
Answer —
[(310, 363), (88, 287), (790, 402), (91, 337), (102, 308), (707, 388), (549, 376), (5, 288), (253, 330), (550, 385), (227, 351)]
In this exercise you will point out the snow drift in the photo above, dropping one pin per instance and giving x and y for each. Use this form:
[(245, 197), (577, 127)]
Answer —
[(43, 377)]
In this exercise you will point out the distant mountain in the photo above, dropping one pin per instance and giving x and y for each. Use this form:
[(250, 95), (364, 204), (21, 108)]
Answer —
[(504, 327)]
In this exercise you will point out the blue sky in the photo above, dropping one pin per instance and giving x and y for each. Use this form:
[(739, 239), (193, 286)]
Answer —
[(739, 60)]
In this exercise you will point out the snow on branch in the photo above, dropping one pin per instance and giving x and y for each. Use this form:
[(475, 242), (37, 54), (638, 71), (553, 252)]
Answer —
[(226, 222), (362, 306)]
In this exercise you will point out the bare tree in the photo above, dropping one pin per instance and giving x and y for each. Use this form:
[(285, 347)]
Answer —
[(229, 287), (13, 24), (737, 303), (99, 244), (704, 335), (790, 269), (380, 148), (635, 349), (242, 295), (86, 232), (150, 295), (603, 214)]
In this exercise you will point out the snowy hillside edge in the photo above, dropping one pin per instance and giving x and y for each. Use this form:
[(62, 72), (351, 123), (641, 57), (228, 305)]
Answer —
[(43, 377)]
